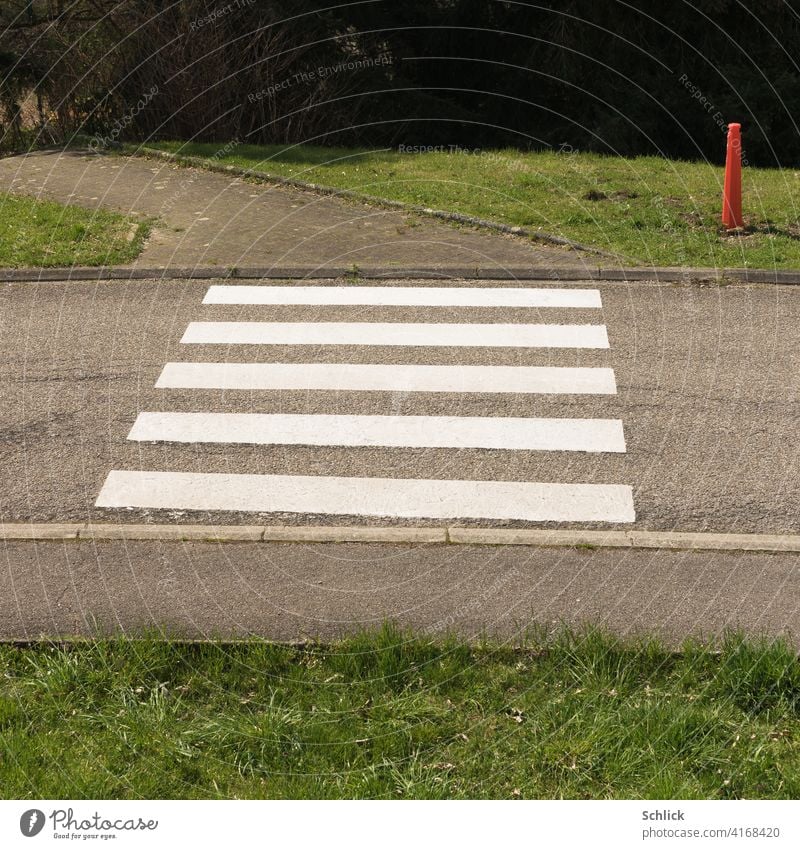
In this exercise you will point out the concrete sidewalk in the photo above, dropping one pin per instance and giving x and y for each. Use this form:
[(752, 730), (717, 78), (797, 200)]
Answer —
[(209, 219)]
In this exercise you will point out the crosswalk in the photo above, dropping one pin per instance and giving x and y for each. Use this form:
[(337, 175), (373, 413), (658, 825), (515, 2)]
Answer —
[(516, 434), (402, 296), (390, 496), (391, 333), (341, 377)]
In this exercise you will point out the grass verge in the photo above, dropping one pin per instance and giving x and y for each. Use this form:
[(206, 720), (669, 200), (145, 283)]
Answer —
[(389, 715), (45, 234), (650, 210)]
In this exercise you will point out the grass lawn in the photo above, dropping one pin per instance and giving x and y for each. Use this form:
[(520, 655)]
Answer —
[(387, 715), (45, 234), (649, 210)]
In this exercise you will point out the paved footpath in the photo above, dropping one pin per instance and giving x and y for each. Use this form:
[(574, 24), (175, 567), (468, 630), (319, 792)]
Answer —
[(209, 219), (399, 402)]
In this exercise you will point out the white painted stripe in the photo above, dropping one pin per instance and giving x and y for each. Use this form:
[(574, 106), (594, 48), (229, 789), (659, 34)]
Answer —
[(389, 378), (379, 333), (403, 296), (430, 499), (391, 431)]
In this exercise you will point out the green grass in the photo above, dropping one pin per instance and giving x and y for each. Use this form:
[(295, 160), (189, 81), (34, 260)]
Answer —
[(46, 234), (388, 715), (649, 210)]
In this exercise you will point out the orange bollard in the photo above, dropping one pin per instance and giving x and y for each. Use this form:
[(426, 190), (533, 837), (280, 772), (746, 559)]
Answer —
[(732, 191)]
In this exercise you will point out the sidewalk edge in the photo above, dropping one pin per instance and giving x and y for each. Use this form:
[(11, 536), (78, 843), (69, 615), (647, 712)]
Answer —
[(545, 273), (441, 535)]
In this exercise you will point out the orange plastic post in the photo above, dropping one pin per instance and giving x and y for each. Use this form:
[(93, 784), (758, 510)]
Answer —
[(732, 191)]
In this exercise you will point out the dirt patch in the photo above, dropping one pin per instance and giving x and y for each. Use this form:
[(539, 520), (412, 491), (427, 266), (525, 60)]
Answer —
[(754, 231), (693, 219), (623, 194)]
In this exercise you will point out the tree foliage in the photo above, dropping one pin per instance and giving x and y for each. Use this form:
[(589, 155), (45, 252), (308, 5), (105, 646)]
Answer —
[(633, 77)]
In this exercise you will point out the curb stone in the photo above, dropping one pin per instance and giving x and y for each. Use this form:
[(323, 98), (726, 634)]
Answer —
[(544, 274), (288, 533), (53, 531), (665, 540), (58, 275), (166, 533), (507, 536)]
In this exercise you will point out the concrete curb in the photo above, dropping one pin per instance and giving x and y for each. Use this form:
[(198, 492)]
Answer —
[(175, 533), (24, 275), (663, 540), (718, 276)]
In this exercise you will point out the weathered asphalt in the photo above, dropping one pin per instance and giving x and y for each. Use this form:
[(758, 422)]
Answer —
[(707, 381)]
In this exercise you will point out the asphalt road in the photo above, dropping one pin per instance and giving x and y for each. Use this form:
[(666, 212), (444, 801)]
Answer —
[(707, 393)]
